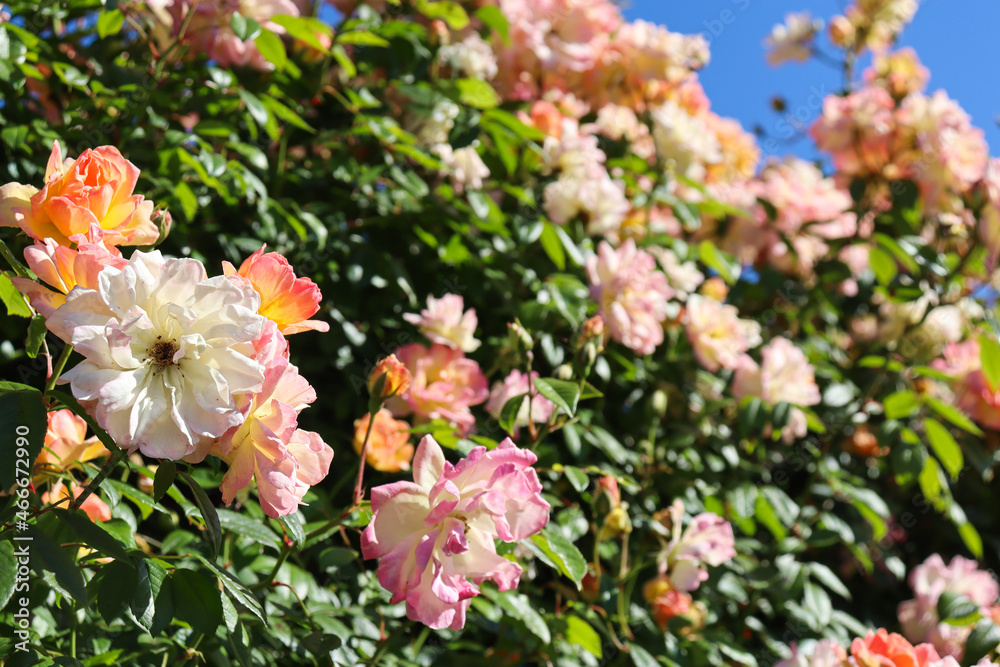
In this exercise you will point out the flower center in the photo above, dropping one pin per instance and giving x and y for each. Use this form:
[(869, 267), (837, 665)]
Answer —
[(161, 353)]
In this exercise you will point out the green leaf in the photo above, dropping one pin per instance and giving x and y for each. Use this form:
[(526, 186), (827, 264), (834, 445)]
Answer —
[(92, 534), (552, 245), (272, 48), (901, 404), (930, 479), (141, 500), (163, 479), (883, 265), (12, 299), (713, 258), (577, 477), (36, 336), (47, 554), (989, 355), (213, 528), (898, 252), (559, 552), (984, 639), (118, 582), (563, 393), (8, 574), (197, 600), (241, 524), (826, 576), (305, 29), (284, 113), (580, 633), (954, 415), (508, 414), (494, 19), (641, 657), (361, 37), (520, 607), (110, 22), (451, 13), (477, 93), (945, 447), (23, 423), (245, 29), (955, 606)]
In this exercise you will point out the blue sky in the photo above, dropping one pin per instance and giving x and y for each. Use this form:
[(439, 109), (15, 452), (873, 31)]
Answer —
[(956, 41)]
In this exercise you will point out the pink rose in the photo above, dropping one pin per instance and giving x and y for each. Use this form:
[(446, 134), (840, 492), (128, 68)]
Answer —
[(631, 295), (268, 446), (435, 535), (444, 386), (63, 268), (919, 617), (972, 394), (537, 409), (446, 322), (708, 540), (717, 334)]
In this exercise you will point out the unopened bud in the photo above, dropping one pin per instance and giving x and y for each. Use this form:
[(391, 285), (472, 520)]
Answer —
[(617, 522), (593, 329), (390, 378), (563, 372), (519, 336), (610, 486), (164, 221)]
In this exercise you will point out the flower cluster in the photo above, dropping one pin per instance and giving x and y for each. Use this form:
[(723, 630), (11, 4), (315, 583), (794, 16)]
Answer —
[(878, 648), (176, 364)]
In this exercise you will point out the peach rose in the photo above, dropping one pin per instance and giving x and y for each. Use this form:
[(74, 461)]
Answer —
[(95, 189), (389, 448)]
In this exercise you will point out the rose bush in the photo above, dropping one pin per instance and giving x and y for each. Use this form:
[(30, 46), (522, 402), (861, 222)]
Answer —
[(675, 404)]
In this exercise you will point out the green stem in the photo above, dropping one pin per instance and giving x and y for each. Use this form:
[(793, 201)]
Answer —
[(358, 490), (92, 485), (58, 368), (266, 583)]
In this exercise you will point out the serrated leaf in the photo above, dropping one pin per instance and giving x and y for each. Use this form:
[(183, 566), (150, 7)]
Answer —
[(953, 414), (197, 601), (953, 605), (561, 554), (451, 13), (553, 246), (361, 37), (578, 478), (563, 393), (509, 412), (883, 265), (8, 575)]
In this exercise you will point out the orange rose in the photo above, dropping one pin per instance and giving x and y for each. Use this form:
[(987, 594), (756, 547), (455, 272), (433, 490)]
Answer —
[(94, 507), (91, 195), (284, 299), (881, 649), (389, 448), (66, 443)]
